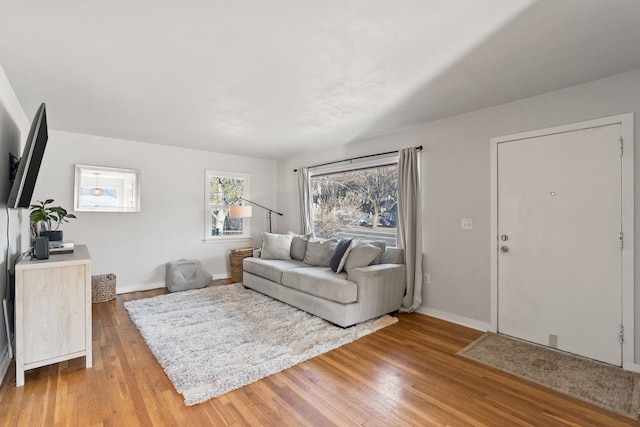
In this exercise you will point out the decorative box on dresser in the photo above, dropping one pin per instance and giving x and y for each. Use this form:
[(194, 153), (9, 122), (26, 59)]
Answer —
[(53, 310)]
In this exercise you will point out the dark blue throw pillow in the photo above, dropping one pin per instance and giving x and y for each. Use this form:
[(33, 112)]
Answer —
[(339, 252)]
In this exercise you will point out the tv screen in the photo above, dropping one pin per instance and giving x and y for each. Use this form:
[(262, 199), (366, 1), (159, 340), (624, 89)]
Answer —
[(27, 173)]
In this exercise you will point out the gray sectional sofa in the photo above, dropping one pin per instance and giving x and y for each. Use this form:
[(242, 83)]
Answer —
[(368, 281)]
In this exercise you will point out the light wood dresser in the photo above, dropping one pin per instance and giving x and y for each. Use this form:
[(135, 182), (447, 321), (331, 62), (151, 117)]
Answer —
[(53, 310)]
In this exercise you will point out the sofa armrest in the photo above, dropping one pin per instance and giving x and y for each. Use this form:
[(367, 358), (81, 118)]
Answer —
[(381, 282)]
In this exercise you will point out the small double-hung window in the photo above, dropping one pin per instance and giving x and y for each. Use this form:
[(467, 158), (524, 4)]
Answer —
[(222, 190)]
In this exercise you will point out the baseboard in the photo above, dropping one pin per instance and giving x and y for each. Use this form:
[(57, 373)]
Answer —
[(633, 367), (156, 285), (454, 318), (138, 288), (5, 361)]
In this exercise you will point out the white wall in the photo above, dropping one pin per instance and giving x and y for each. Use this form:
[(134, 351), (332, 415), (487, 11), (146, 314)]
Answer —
[(170, 226), (13, 124), (456, 184)]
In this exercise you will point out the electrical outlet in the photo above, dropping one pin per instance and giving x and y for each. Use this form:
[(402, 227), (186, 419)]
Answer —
[(427, 278), (466, 224)]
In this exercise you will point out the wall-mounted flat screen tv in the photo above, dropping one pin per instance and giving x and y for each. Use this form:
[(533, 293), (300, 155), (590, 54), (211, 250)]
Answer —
[(27, 173)]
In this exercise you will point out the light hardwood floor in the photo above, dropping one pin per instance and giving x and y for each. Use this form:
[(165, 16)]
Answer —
[(404, 375)]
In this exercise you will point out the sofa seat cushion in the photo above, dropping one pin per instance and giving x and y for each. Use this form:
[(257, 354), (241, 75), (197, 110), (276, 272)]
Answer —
[(270, 269), (321, 282)]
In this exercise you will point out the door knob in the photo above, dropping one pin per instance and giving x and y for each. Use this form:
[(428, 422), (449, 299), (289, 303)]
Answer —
[(504, 248)]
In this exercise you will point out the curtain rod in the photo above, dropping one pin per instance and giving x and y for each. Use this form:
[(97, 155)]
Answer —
[(419, 148)]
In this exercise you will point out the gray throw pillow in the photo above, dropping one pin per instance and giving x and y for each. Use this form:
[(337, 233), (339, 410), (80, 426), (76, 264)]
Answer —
[(299, 245), (276, 246), (319, 252), (361, 255)]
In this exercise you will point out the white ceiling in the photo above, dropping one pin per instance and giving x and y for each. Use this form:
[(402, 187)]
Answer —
[(273, 77)]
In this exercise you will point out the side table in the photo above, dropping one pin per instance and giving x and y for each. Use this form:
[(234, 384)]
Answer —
[(235, 261)]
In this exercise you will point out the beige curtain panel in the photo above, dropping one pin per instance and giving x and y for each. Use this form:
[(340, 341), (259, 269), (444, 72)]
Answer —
[(410, 225), (305, 201)]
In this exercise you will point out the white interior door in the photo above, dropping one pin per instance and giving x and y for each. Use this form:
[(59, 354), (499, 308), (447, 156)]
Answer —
[(559, 227)]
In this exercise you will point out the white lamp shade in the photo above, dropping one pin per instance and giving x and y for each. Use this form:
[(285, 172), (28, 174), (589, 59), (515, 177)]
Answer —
[(240, 211)]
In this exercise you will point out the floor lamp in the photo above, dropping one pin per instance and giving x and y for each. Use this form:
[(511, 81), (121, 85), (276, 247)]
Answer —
[(240, 211)]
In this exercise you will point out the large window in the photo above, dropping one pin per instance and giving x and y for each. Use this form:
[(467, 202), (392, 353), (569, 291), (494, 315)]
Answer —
[(223, 189), (356, 203)]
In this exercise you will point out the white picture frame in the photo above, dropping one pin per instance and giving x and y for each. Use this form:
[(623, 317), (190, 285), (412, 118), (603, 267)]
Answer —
[(106, 189)]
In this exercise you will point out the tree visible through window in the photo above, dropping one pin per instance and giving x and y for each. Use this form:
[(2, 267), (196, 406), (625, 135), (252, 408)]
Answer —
[(224, 189), (356, 203)]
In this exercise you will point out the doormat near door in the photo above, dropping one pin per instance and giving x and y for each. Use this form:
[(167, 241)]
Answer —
[(598, 383), (217, 339)]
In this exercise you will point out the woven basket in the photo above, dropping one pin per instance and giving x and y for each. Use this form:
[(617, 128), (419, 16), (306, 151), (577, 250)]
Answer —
[(103, 288), (235, 261)]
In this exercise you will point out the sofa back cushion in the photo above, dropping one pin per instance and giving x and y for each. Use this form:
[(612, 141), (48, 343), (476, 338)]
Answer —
[(382, 246), (393, 256), (319, 251), (299, 245)]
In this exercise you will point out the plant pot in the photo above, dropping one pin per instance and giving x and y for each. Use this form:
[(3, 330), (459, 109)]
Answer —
[(53, 236)]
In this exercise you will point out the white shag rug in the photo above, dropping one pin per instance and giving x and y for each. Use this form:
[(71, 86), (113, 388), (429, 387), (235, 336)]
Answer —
[(217, 339)]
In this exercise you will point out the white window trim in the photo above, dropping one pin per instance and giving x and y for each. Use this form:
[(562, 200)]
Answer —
[(246, 229)]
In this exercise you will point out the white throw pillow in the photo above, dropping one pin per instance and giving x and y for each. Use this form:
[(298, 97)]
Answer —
[(276, 246)]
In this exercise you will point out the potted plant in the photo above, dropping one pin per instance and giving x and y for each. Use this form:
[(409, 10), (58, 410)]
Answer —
[(46, 220)]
